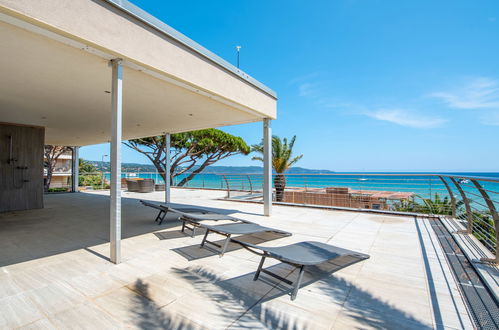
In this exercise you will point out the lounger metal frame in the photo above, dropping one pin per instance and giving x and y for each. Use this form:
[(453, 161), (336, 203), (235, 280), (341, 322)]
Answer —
[(222, 247), (193, 225), (296, 284), (163, 210), (225, 245)]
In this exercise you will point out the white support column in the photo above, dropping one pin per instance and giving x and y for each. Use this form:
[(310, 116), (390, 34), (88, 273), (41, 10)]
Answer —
[(267, 167), (75, 170), (167, 167), (116, 122)]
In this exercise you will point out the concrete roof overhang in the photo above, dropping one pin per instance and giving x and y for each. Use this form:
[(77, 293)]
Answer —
[(55, 73)]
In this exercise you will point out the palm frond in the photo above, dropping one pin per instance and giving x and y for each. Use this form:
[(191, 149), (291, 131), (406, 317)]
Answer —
[(294, 160), (282, 151)]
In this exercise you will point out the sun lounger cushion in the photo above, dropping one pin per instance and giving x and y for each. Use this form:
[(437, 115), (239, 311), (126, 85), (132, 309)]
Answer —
[(230, 229), (242, 229), (305, 253)]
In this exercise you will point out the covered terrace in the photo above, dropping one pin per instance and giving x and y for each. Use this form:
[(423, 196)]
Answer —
[(90, 72)]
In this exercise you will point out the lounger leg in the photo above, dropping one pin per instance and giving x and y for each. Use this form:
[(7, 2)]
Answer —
[(205, 236), (183, 226), (260, 266), (158, 216), (224, 248), (162, 218), (297, 283)]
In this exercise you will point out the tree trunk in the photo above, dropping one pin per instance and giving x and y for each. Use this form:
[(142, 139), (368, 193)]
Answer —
[(160, 167), (194, 173), (49, 178), (279, 184)]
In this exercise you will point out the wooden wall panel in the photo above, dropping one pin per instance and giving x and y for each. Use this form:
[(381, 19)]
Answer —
[(21, 167)]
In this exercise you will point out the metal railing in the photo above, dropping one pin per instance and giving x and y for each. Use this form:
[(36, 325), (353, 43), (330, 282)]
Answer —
[(235, 184), (471, 200)]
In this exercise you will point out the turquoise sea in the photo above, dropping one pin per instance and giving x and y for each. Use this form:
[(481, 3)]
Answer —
[(420, 184)]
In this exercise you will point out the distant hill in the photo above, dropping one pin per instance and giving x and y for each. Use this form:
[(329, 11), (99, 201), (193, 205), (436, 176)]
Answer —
[(133, 167), (256, 169)]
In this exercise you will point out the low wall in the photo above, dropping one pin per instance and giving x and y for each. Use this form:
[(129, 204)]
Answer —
[(334, 199)]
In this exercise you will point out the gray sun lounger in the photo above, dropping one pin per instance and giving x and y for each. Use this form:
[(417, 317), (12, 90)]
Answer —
[(192, 221), (300, 255), (230, 229), (164, 209)]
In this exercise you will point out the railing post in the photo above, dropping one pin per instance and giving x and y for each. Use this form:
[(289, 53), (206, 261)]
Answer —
[(452, 198), (430, 186), (469, 214), (495, 217), (228, 186), (251, 185)]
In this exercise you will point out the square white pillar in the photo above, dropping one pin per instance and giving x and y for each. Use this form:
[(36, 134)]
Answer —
[(116, 126), (267, 167), (167, 167)]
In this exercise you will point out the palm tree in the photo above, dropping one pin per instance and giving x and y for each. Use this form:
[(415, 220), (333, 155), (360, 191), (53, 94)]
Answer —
[(440, 205), (437, 205), (282, 160)]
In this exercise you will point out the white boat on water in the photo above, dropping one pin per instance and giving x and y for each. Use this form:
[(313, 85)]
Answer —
[(463, 181), (362, 179)]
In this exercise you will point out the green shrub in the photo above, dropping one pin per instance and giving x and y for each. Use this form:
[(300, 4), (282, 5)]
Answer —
[(93, 180), (58, 189)]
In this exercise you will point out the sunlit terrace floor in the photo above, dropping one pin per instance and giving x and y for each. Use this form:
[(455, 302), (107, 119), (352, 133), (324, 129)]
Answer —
[(54, 272)]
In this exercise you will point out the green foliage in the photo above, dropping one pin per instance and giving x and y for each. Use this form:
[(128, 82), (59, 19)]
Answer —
[(86, 167), (191, 151), (58, 189), (440, 205), (437, 205), (89, 175), (282, 160), (483, 223), (483, 228), (282, 153), (205, 141), (404, 205), (92, 180)]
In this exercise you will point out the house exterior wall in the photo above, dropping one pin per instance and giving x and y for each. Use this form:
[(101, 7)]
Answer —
[(61, 176), (21, 167), (63, 181)]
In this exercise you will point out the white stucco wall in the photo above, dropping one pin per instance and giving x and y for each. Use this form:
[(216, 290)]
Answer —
[(104, 27)]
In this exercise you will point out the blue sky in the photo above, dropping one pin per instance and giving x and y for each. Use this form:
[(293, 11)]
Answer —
[(365, 85)]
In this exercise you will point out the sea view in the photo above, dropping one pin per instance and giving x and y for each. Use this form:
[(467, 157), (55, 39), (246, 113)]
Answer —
[(418, 183)]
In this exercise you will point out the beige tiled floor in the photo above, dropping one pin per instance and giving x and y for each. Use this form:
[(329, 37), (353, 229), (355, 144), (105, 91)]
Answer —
[(54, 273)]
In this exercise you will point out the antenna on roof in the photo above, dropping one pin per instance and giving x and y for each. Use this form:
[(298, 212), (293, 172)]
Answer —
[(238, 49)]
